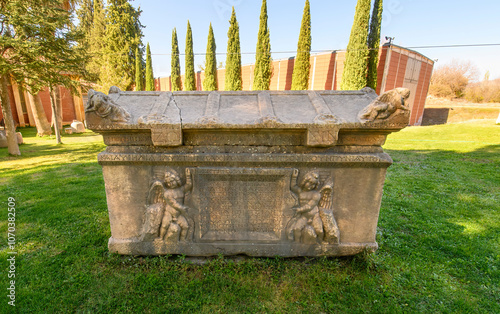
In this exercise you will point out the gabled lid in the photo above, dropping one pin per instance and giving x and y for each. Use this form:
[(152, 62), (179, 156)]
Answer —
[(321, 113)]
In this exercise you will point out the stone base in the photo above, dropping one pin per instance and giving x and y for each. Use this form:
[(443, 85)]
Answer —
[(244, 203), (136, 247)]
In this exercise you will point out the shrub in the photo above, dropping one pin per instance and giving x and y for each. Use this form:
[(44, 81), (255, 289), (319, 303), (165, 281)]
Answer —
[(486, 91), (451, 80)]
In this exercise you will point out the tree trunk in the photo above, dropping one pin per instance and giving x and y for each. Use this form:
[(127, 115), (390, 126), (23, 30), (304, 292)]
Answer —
[(58, 103), (10, 128), (54, 115), (42, 124), (58, 98)]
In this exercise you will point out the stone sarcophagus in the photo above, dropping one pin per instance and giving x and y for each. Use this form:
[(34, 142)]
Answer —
[(258, 173)]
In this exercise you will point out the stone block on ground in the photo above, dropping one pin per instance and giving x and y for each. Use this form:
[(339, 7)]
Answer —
[(77, 126), (3, 138), (20, 139)]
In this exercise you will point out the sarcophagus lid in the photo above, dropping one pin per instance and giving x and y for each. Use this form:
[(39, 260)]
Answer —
[(308, 118)]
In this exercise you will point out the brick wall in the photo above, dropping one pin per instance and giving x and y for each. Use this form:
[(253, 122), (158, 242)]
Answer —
[(68, 106), (421, 95), (395, 70)]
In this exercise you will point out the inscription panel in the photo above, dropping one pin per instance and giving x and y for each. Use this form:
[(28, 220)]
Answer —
[(378, 160), (127, 139), (167, 135), (241, 204), (242, 137), (322, 136)]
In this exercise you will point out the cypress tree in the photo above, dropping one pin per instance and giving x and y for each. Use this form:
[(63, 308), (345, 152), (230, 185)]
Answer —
[(96, 40), (210, 81), (233, 60), (262, 71), (85, 15), (300, 77), (374, 43), (175, 66), (138, 71), (189, 77), (150, 80), (123, 35), (355, 66)]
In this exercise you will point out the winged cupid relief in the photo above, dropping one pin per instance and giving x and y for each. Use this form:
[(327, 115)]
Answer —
[(166, 215), (313, 221)]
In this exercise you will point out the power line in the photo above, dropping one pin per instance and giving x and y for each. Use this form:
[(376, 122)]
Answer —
[(330, 50), (454, 46)]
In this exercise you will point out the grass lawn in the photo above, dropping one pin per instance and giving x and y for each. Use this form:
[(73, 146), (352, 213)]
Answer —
[(439, 238)]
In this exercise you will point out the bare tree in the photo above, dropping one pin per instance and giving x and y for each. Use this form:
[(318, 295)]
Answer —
[(485, 91), (450, 80)]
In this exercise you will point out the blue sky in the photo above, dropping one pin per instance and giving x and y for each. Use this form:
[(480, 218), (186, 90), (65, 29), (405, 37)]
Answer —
[(413, 23)]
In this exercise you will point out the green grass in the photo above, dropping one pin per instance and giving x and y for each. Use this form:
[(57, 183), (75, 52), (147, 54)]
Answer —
[(439, 238)]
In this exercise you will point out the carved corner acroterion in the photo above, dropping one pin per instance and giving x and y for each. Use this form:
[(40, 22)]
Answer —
[(388, 105), (105, 108)]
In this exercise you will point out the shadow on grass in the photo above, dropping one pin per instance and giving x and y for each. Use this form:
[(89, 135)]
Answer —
[(30, 132), (35, 146), (438, 235)]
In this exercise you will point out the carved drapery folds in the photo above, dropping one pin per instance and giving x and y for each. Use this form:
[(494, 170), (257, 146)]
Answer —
[(167, 218), (313, 220)]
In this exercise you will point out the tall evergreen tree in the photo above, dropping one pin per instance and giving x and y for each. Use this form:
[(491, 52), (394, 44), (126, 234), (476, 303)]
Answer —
[(355, 66), (189, 77), (139, 77), (123, 35), (85, 15), (233, 59), (262, 70), (210, 81), (300, 77), (95, 40), (374, 43), (150, 80), (37, 46), (175, 66)]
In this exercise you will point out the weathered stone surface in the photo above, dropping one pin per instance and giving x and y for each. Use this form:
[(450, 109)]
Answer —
[(20, 139), (3, 138), (77, 126), (296, 173)]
